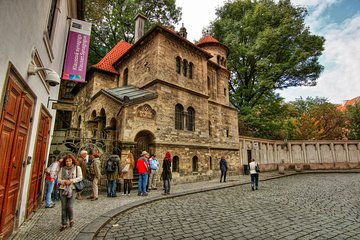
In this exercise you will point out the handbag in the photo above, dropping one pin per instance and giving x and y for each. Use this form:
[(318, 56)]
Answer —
[(79, 186), (126, 168), (257, 168)]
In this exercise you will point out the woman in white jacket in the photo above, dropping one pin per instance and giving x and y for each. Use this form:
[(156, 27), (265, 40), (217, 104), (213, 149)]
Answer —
[(69, 174), (254, 174)]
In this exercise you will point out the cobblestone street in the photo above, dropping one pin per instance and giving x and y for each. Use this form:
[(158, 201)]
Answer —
[(322, 206)]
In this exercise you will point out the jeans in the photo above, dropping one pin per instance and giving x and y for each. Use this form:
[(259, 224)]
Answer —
[(111, 188), (167, 185), (223, 173), (67, 211), (143, 182), (254, 179), (49, 189)]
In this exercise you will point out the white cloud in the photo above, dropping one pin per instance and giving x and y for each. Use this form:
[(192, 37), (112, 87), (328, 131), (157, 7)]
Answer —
[(341, 57)]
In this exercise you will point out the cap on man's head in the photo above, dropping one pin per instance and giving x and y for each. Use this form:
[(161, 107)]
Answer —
[(144, 153)]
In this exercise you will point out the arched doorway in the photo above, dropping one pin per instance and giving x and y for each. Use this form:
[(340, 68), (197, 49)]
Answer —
[(144, 142)]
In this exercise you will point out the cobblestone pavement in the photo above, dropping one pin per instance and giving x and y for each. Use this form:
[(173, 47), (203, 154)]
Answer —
[(45, 223), (321, 206)]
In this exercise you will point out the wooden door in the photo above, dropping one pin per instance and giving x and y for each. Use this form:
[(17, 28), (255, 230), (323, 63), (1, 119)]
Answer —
[(38, 163), (14, 128)]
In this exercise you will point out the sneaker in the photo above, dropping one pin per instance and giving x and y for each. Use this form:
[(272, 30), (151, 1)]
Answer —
[(128, 194), (145, 194), (123, 194), (139, 193), (50, 206), (252, 188)]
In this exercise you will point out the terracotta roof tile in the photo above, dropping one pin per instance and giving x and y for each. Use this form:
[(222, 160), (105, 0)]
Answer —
[(351, 102), (207, 39), (111, 57)]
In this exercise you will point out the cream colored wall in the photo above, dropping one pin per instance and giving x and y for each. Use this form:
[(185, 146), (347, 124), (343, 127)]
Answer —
[(305, 154), (23, 26)]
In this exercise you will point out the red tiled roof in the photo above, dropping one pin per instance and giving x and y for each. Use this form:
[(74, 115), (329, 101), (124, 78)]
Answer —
[(351, 102), (207, 39), (111, 57)]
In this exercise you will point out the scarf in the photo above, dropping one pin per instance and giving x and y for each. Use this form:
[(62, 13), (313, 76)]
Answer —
[(67, 174)]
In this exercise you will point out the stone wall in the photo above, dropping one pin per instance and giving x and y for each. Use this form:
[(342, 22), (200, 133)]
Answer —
[(301, 154)]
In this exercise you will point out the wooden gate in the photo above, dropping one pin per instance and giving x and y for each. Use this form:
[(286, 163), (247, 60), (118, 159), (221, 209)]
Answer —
[(14, 129), (38, 162)]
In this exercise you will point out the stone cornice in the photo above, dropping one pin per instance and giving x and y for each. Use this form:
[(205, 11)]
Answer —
[(159, 81)]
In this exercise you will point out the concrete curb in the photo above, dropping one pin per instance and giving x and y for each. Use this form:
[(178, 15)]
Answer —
[(90, 231)]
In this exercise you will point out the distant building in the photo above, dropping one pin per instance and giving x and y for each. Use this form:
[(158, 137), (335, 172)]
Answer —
[(351, 102), (163, 93), (33, 33)]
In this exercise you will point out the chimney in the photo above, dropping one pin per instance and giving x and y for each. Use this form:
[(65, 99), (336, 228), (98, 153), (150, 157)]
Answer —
[(182, 31), (139, 26)]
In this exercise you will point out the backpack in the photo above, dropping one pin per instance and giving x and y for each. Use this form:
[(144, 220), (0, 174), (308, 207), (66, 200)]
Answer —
[(110, 166)]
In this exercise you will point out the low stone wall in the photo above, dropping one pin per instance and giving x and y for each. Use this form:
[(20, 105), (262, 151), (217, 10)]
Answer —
[(307, 155)]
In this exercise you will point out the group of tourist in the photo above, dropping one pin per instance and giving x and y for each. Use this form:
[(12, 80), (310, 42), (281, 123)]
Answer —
[(68, 172)]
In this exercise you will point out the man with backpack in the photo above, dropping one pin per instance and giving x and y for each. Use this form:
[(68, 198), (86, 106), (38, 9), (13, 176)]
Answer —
[(112, 170)]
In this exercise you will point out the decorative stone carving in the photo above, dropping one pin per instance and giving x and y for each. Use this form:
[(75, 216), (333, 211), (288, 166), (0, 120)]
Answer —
[(145, 111)]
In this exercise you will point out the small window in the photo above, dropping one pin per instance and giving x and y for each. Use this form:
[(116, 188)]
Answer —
[(50, 23), (227, 132), (195, 164), (126, 76), (209, 128), (210, 163), (218, 59), (191, 119), (178, 65), (225, 92), (179, 117), (185, 65), (175, 164), (191, 68)]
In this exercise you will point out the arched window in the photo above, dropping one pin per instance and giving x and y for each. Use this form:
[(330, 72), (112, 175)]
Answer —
[(185, 65), (179, 117), (79, 121), (178, 65), (190, 119), (93, 114), (195, 164), (126, 76), (175, 164), (191, 68), (209, 86)]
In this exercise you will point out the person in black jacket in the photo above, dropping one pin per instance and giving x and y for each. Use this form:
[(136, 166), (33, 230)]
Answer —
[(166, 173), (223, 168)]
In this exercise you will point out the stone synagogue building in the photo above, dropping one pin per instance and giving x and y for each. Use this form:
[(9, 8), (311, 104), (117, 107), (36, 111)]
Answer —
[(163, 93)]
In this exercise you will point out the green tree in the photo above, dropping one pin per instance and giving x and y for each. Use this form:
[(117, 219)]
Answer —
[(268, 119), (353, 113), (270, 48), (113, 20)]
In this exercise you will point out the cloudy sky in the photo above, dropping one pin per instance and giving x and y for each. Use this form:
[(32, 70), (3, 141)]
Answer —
[(337, 20)]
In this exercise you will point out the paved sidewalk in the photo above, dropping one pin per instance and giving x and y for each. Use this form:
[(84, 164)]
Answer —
[(90, 216)]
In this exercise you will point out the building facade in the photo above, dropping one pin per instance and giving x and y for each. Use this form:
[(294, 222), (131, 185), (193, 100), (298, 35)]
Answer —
[(163, 93), (34, 34)]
